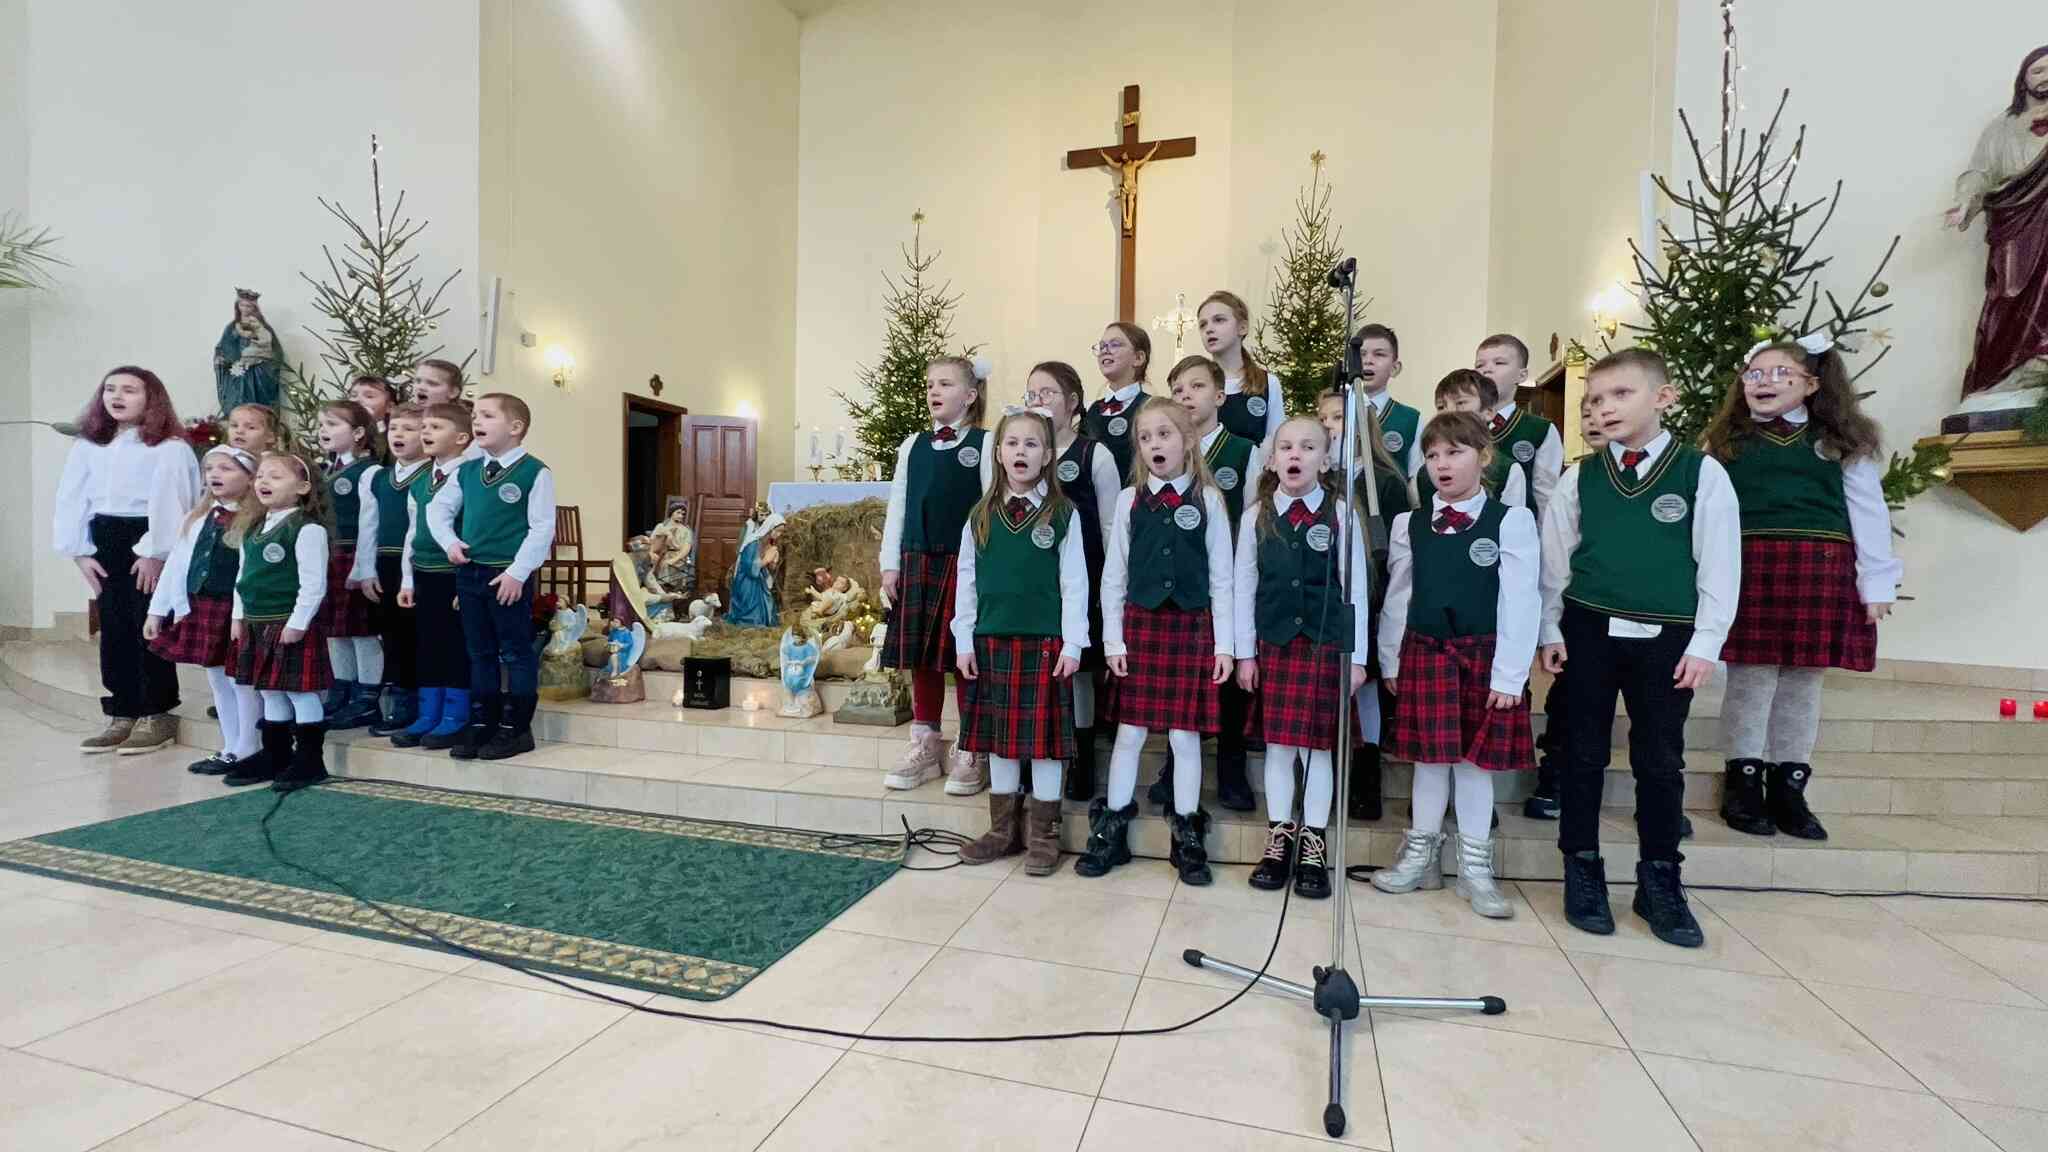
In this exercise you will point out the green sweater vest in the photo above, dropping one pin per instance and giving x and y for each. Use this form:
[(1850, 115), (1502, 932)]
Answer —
[(1787, 488), (214, 564), (1169, 553), (1017, 576), (427, 555), (1398, 430), (269, 580), (391, 511), (1634, 558), (345, 496), (1456, 576), (941, 492), (1518, 443), (1300, 591), (494, 512), (1230, 462)]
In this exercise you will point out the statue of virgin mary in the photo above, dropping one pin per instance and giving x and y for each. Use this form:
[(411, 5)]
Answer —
[(248, 359)]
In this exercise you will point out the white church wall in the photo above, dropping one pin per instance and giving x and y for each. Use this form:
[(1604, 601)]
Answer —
[(178, 148), (639, 172), (1893, 110), (964, 110), (17, 568)]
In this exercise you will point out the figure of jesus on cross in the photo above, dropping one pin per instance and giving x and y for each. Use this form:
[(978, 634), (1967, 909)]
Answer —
[(1125, 158)]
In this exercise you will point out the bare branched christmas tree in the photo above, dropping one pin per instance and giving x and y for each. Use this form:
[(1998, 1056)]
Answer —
[(1302, 336), (919, 328)]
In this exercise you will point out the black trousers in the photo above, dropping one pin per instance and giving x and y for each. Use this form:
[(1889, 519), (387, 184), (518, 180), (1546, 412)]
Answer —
[(1232, 704), (395, 626), (1556, 715), (442, 661), (1641, 672), (138, 682)]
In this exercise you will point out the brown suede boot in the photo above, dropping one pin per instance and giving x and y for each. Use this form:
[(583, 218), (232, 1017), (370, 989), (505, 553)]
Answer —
[(1041, 837), (1005, 835)]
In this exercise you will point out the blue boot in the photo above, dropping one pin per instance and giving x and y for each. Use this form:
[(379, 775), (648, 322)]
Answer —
[(360, 709), (454, 718), (429, 715), (399, 714)]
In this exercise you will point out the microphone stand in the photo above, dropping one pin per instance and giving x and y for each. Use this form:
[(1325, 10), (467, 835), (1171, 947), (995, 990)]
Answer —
[(1335, 994)]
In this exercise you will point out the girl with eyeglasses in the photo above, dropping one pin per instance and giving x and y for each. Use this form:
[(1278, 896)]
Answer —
[(1123, 354), (1817, 569)]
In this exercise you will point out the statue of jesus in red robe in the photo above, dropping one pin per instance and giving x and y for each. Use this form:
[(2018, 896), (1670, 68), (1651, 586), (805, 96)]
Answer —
[(2008, 182)]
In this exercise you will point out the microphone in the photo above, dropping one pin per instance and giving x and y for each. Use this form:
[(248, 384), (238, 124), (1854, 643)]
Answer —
[(1343, 273)]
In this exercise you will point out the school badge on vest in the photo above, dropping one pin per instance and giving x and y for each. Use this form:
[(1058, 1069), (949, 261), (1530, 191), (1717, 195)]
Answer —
[(969, 456), (1524, 451), (1319, 537), (1187, 517), (1393, 441), (1826, 451), (1484, 552), (1669, 508), (1118, 426), (1256, 405), (1226, 479), (1043, 536), (344, 486), (273, 553), (1070, 471), (509, 493)]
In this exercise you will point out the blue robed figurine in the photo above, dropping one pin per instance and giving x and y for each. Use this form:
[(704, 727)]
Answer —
[(248, 359), (754, 575)]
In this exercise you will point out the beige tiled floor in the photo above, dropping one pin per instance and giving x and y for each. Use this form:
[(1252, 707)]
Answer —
[(134, 1025)]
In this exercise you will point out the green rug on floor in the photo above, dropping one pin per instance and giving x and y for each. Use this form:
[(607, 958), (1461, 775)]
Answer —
[(685, 907)]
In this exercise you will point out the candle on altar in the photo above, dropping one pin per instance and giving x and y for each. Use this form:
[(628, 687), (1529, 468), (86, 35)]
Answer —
[(2041, 709), (817, 448), (2008, 707), (839, 444)]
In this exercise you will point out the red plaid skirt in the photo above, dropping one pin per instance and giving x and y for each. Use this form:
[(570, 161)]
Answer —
[(1440, 712), (346, 611), (1299, 699), (1799, 607), (921, 620), (1016, 708), (199, 637), (1171, 655), (265, 664)]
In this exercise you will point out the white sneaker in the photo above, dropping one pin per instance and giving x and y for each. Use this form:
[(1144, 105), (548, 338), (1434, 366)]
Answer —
[(918, 764), (966, 772)]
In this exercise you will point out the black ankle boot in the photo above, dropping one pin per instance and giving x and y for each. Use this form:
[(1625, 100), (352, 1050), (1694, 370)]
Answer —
[(309, 761), (1233, 791), (1742, 798), (1365, 783), (1278, 864), (1786, 802), (1312, 870), (1660, 899), (1108, 838), (1161, 791), (1543, 804), (484, 714), (265, 765), (515, 734), (1190, 852), (1080, 785), (1585, 893)]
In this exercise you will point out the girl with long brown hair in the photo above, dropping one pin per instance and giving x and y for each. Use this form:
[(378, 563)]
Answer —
[(1252, 404)]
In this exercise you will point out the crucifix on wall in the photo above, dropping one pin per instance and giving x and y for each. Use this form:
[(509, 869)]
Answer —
[(1125, 158)]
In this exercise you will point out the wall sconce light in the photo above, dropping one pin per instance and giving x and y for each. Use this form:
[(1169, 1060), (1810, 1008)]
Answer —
[(1607, 308), (561, 364), (745, 410)]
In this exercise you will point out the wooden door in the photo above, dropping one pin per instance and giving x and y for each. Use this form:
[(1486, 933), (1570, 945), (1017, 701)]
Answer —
[(650, 451), (718, 477)]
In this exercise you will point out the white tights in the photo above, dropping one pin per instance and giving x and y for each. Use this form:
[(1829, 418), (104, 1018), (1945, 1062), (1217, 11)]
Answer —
[(1006, 777), (238, 709), (1315, 803), (1187, 767), (295, 707), (356, 659), (1433, 787)]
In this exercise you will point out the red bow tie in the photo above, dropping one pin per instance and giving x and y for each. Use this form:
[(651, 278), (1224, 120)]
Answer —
[(1452, 520), (1630, 457), (1018, 508), (221, 515), (945, 435), (1779, 426), (440, 477), (1498, 424), (1299, 515), (1112, 407), (1167, 497)]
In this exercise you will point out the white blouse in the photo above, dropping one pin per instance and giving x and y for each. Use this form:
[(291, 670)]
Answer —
[(1244, 583), (1116, 568), (171, 599), (1518, 606), (125, 477)]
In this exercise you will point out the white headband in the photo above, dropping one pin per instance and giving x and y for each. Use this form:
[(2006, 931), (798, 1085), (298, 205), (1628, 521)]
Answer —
[(1813, 343), (246, 461)]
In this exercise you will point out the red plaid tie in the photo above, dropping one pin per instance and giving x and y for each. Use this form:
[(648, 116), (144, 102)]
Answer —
[(440, 477), (1779, 426), (944, 435), (1167, 497), (1630, 457), (1299, 514), (221, 516), (1018, 508), (1452, 520), (1498, 424), (1112, 407)]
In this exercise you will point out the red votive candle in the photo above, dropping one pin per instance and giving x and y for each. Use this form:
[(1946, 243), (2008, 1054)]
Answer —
[(2008, 707), (2041, 709)]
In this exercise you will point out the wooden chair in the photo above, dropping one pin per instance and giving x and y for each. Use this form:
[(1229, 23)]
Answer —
[(564, 574)]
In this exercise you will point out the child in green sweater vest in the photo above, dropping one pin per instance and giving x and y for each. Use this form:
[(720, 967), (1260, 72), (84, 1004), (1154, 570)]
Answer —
[(1518, 434)]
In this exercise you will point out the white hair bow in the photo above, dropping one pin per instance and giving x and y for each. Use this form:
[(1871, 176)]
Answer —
[(982, 368), (1813, 344)]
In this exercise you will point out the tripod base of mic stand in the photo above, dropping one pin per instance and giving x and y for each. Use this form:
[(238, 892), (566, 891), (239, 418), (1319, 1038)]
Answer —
[(1336, 999)]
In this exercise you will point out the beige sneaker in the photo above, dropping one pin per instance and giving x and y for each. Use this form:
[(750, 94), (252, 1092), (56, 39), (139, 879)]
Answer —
[(966, 773), (149, 734), (919, 763), (113, 737)]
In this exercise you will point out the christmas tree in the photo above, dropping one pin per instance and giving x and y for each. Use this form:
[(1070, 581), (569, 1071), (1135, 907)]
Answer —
[(920, 325), (1302, 338), (379, 314)]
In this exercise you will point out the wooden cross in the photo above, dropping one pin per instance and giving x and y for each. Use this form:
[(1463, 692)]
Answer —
[(1125, 158)]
